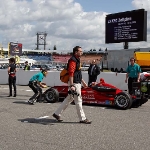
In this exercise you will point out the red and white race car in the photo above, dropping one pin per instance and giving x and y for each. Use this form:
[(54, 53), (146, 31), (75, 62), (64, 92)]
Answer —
[(99, 93)]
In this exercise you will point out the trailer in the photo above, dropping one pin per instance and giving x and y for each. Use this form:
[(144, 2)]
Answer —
[(118, 60), (143, 60)]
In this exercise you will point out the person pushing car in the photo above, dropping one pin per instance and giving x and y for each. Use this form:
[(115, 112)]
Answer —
[(35, 84), (144, 76), (75, 80)]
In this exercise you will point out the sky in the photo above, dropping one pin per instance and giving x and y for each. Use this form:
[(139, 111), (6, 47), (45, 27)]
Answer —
[(106, 5), (67, 22)]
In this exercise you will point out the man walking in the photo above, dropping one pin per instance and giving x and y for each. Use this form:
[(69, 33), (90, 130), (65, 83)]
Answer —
[(75, 80)]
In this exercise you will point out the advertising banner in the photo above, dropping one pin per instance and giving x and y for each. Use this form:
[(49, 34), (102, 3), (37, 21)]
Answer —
[(15, 49)]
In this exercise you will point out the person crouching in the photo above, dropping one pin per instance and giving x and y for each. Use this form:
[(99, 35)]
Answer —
[(144, 76), (35, 84)]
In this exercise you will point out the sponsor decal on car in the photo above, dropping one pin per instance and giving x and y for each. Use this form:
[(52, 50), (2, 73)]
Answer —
[(107, 102), (88, 96), (99, 102), (93, 102), (89, 91)]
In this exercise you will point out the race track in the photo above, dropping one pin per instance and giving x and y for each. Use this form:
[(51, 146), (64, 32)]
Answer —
[(32, 127)]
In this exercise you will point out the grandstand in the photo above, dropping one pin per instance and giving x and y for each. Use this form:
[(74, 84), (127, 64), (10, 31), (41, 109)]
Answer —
[(61, 57), (39, 57), (87, 58), (48, 56)]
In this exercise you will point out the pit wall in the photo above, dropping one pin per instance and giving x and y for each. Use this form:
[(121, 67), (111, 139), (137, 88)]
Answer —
[(52, 79)]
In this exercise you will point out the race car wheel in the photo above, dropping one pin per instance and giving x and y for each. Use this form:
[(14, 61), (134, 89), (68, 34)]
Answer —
[(123, 100), (51, 95)]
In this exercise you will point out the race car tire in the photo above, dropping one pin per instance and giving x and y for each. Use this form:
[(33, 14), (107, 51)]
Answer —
[(123, 101), (51, 95)]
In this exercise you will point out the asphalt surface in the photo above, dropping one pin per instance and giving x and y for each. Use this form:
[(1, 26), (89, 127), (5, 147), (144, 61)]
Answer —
[(32, 127)]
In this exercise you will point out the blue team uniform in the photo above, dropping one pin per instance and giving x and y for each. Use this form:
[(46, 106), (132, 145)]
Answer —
[(35, 87), (37, 77), (133, 71)]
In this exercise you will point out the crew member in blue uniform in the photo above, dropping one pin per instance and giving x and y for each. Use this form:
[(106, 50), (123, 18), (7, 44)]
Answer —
[(133, 74), (12, 76), (35, 84)]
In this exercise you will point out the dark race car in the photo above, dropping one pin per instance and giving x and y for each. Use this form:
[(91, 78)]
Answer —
[(99, 93)]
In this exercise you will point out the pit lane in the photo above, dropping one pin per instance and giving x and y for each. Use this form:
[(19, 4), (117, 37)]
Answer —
[(26, 127)]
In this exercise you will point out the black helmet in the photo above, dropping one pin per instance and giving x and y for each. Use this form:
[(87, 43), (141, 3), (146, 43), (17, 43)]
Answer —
[(43, 70), (12, 59)]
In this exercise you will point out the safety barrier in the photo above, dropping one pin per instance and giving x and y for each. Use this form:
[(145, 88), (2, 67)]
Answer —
[(52, 78)]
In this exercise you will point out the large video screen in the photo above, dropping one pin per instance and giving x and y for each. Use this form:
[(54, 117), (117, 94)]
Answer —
[(130, 26)]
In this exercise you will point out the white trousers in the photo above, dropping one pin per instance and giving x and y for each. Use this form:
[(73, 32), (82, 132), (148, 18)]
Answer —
[(78, 103)]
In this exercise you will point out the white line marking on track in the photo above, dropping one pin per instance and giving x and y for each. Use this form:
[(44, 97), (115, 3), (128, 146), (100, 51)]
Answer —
[(42, 117), (18, 89), (103, 108), (26, 121)]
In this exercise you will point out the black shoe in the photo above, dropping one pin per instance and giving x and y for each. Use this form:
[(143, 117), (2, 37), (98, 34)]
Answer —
[(39, 101), (57, 117), (31, 102), (86, 121), (14, 95), (9, 95)]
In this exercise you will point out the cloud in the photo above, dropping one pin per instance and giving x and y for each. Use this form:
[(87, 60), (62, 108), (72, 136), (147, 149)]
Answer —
[(141, 4), (138, 4), (65, 22)]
